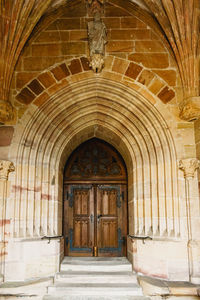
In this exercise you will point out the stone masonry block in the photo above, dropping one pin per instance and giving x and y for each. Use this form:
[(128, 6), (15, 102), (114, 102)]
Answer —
[(25, 96), (60, 72), (132, 22), (133, 70), (75, 66), (149, 46), (46, 79), (146, 77), (85, 63), (114, 11), (46, 50), (156, 86), (120, 65), (65, 24), (166, 95), (129, 34), (36, 87), (151, 60), (74, 48), (22, 78), (120, 46)]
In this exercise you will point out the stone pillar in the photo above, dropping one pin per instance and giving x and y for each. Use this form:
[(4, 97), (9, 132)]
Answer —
[(189, 166), (5, 168)]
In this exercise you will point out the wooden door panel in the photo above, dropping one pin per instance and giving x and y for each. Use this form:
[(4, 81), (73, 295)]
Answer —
[(81, 233), (109, 217), (108, 234), (81, 225), (95, 216)]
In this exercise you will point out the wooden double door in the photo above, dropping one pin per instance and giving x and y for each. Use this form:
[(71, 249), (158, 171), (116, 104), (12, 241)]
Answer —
[(95, 219)]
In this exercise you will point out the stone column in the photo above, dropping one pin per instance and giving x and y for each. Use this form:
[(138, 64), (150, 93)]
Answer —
[(189, 166), (5, 168)]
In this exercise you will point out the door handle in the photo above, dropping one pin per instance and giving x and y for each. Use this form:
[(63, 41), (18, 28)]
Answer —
[(98, 218), (91, 218)]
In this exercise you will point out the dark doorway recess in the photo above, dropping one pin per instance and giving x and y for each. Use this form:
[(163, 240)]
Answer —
[(95, 201)]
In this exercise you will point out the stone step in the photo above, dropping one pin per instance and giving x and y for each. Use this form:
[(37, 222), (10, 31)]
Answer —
[(95, 289), (93, 297), (96, 264), (92, 277)]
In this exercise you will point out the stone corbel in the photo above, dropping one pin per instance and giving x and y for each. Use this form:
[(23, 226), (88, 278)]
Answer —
[(6, 111), (190, 109), (189, 166), (5, 168)]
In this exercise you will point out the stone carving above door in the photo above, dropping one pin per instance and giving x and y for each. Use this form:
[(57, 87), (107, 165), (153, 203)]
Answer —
[(95, 159)]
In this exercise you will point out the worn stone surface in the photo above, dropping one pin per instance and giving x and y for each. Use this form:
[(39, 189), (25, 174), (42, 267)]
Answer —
[(166, 95), (6, 134), (133, 70), (60, 72), (25, 96)]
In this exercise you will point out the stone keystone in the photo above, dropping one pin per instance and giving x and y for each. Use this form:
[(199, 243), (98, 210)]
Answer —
[(189, 166), (5, 168)]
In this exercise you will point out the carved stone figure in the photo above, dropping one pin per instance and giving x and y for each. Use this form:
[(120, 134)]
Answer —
[(97, 34)]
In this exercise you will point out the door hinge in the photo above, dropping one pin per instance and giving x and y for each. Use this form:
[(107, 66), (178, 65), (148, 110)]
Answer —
[(119, 198)]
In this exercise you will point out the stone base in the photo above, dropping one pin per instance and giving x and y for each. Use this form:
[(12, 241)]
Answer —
[(190, 109), (164, 259), (34, 258)]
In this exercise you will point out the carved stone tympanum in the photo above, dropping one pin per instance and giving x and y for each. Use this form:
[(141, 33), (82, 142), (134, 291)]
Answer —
[(189, 166), (97, 35), (5, 168)]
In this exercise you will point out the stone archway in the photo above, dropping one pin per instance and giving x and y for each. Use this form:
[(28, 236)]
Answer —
[(100, 108), (95, 201)]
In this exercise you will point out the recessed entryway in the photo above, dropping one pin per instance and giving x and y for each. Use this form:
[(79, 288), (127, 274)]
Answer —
[(95, 201)]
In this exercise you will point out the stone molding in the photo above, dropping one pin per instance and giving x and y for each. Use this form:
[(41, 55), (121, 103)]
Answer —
[(190, 109), (194, 243), (5, 168), (58, 76), (189, 166)]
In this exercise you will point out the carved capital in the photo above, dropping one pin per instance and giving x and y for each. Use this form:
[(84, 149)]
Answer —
[(5, 168), (189, 166), (6, 111), (190, 109), (97, 63)]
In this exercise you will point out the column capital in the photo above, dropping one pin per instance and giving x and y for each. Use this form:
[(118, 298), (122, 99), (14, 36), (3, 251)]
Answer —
[(189, 166), (190, 109), (5, 168)]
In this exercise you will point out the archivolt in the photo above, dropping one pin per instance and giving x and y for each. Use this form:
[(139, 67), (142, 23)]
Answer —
[(110, 111)]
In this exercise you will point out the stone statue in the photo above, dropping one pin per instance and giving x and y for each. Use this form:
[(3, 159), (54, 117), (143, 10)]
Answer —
[(97, 34)]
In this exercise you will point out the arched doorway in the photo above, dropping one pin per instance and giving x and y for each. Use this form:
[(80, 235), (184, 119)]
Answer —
[(95, 201)]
